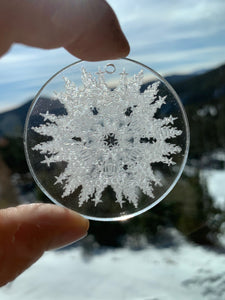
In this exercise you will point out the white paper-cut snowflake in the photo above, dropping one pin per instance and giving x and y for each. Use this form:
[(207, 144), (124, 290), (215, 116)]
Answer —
[(109, 137)]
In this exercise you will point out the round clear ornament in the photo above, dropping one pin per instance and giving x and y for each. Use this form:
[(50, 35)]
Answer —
[(107, 139)]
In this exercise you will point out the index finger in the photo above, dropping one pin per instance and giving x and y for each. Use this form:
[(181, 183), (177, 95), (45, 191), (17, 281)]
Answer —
[(88, 29)]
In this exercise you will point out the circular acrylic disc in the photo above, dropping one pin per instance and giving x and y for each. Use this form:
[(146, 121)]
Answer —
[(107, 139)]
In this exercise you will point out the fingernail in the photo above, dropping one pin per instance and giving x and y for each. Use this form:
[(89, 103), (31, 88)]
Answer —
[(68, 239), (70, 235), (65, 239)]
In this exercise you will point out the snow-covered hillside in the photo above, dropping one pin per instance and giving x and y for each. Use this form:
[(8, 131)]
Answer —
[(183, 272)]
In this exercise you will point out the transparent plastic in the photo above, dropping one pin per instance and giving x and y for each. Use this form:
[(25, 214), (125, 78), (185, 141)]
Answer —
[(107, 139)]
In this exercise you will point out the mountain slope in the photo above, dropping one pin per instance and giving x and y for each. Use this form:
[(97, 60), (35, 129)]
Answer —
[(202, 88), (12, 122), (192, 89)]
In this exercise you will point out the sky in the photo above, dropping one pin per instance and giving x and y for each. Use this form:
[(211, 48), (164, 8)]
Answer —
[(172, 37)]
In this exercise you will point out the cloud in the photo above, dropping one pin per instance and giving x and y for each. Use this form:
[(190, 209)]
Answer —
[(169, 36), (186, 61), (32, 63), (24, 70), (150, 23), (174, 36)]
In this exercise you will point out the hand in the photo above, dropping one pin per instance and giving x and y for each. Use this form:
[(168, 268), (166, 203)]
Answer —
[(26, 231), (89, 30)]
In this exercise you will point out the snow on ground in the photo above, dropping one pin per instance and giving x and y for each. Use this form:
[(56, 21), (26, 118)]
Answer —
[(215, 180), (184, 272)]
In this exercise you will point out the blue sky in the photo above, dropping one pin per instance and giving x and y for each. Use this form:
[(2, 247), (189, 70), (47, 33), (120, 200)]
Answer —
[(175, 36)]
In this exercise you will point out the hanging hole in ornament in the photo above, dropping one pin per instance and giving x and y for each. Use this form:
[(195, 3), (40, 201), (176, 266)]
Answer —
[(110, 68)]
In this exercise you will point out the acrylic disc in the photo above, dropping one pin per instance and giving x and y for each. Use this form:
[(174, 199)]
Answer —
[(107, 139)]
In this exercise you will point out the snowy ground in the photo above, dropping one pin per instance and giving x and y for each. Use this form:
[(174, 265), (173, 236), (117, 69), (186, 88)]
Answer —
[(215, 180), (185, 272)]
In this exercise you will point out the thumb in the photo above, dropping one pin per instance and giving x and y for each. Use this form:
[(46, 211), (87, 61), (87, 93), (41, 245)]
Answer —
[(27, 231), (88, 29)]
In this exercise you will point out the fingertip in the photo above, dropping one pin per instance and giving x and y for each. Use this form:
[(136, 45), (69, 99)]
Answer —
[(72, 227), (100, 47), (57, 226), (103, 40), (27, 231)]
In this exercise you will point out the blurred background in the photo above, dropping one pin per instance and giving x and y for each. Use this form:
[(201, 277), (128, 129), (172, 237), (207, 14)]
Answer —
[(177, 249)]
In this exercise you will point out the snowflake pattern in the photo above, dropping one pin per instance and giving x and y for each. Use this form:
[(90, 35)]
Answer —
[(109, 137)]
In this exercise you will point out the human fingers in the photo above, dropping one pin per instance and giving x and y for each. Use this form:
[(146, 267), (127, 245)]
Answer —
[(88, 29), (27, 231)]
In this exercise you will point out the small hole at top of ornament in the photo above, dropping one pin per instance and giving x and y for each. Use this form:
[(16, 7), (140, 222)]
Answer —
[(110, 68)]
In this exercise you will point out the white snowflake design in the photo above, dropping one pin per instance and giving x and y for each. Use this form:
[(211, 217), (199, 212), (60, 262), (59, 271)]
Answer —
[(109, 137)]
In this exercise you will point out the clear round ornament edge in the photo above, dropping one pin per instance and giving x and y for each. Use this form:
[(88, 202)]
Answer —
[(110, 65)]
